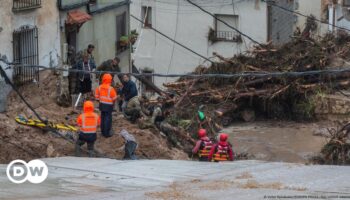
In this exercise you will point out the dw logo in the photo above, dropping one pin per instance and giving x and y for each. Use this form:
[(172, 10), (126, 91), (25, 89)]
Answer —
[(18, 171)]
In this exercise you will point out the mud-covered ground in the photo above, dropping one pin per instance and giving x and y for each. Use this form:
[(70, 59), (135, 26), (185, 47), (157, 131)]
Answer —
[(23, 142), (266, 140)]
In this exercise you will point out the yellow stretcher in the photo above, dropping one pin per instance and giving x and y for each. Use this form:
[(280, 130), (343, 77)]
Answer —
[(37, 123)]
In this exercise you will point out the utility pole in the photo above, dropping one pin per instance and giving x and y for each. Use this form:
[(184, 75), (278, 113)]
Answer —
[(63, 96)]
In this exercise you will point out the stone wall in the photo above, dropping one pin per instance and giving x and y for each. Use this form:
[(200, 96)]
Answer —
[(333, 107)]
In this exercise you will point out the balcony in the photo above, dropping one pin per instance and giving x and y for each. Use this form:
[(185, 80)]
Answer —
[(20, 5), (231, 36)]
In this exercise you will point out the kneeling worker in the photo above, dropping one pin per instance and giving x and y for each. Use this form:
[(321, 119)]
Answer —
[(221, 151), (203, 146), (130, 145), (88, 122)]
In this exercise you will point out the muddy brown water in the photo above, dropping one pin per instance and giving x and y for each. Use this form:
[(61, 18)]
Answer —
[(277, 141)]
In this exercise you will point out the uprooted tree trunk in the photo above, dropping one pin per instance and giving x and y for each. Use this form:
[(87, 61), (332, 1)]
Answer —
[(337, 150), (177, 137)]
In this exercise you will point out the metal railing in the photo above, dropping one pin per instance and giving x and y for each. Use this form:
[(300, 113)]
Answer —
[(25, 74), (26, 55), (19, 5), (227, 36)]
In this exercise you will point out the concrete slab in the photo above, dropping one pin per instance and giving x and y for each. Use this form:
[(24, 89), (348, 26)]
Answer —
[(85, 178)]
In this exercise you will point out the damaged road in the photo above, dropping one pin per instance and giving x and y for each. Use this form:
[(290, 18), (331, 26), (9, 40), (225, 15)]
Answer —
[(82, 178)]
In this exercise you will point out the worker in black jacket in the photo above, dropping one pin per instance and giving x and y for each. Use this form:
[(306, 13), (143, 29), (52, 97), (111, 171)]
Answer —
[(128, 91)]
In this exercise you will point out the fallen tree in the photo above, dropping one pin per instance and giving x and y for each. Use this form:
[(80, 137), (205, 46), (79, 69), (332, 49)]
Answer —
[(337, 149), (287, 97)]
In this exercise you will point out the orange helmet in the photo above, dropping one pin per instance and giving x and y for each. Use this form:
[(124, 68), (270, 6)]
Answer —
[(88, 107), (223, 137), (107, 79), (202, 133)]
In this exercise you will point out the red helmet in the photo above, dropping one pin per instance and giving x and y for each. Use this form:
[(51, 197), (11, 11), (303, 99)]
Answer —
[(223, 137), (202, 133)]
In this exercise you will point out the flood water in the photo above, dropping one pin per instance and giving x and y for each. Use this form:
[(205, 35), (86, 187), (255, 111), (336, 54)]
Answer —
[(277, 141)]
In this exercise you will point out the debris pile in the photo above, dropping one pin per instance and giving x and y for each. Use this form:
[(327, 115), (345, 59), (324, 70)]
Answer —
[(337, 150), (282, 97)]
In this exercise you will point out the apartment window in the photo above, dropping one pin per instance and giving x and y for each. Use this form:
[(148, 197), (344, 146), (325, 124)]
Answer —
[(224, 33), (92, 1), (122, 36), (25, 52), (19, 5), (346, 3), (25, 45), (147, 16)]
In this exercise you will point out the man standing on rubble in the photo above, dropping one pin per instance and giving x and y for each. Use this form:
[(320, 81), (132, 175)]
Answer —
[(107, 96), (86, 65), (88, 123), (203, 146), (221, 151), (89, 51), (111, 65)]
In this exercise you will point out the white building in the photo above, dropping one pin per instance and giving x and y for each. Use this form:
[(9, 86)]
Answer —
[(29, 34), (317, 8), (339, 14), (201, 32), (29, 31)]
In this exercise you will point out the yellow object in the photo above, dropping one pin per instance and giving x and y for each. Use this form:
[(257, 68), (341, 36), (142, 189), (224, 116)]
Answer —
[(37, 123), (220, 157)]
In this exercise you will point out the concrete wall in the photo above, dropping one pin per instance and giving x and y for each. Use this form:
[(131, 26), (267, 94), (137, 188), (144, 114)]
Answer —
[(101, 32), (311, 7), (190, 26), (281, 22), (47, 21), (45, 18)]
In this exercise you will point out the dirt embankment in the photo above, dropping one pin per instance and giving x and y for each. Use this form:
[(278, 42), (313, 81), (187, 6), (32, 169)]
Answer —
[(23, 142)]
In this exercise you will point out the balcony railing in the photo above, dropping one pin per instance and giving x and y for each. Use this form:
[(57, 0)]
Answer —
[(226, 36), (19, 5)]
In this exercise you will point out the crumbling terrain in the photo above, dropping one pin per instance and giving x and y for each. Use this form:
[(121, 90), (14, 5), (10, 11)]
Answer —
[(24, 142)]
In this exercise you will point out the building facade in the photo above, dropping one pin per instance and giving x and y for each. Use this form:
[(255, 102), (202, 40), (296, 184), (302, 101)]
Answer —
[(39, 32), (29, 34), (201, 32), (317, 8), (339, 15), (98, 22)]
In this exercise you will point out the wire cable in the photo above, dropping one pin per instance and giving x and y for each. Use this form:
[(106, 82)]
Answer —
[(173, 47), (244, 74), (157, 31)]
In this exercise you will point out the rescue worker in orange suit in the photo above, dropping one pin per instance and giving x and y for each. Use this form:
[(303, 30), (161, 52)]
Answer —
[(88, 122), (221, 151), (107, 96), (203, 145)]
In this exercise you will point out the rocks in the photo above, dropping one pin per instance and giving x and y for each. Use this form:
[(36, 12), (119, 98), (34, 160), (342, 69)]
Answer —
[(50, 150), (248, 115)]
